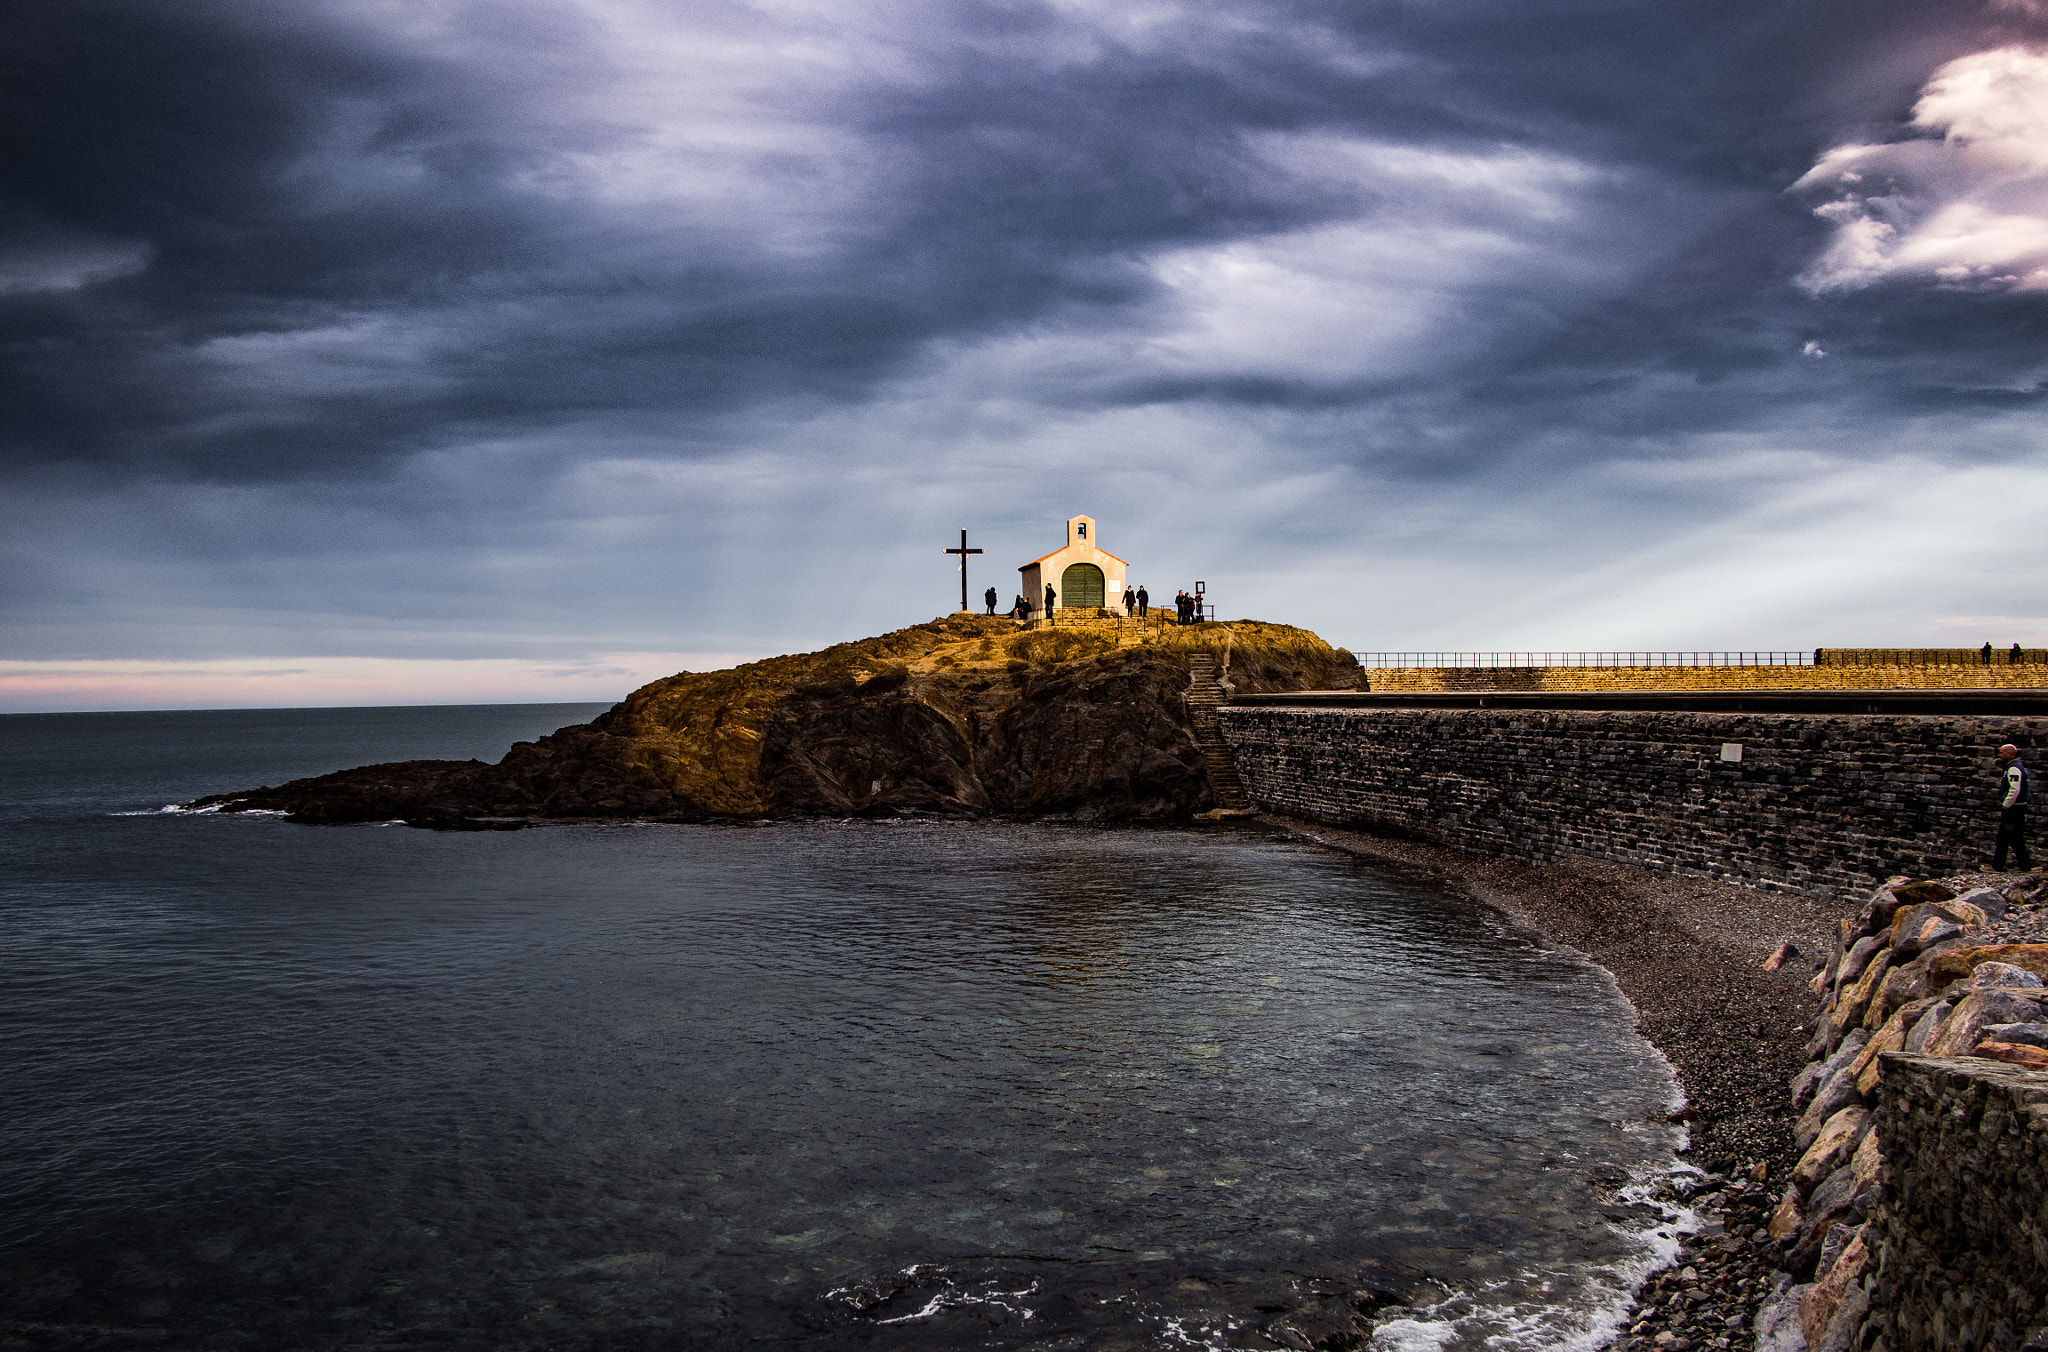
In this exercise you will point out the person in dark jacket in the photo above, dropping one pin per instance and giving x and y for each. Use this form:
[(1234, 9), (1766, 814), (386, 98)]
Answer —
[(1051, 599), (1987, 652), (990, 597), (1144, 603), (2012, 809), (1130, 602)]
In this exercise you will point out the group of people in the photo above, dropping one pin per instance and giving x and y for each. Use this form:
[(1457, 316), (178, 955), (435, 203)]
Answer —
[(1187, 606), (2016, 657)]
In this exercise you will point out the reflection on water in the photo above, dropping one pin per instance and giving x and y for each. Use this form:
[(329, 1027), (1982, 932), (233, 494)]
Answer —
[(903, 1085)]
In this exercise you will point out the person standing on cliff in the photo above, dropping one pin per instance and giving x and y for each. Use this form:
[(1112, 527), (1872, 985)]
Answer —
[(990, 597), (1144, 603), (1051, 598), (1130, 602), (2012, 809), (1987, 652)]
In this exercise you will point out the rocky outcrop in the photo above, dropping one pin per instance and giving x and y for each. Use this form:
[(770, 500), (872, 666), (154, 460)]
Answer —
[(965, 715)]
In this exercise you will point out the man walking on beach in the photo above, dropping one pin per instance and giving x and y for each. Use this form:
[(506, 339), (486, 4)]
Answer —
[(2012, 809)]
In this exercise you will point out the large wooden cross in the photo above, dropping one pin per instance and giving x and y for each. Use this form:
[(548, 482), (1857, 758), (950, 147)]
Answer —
[(963, 551)]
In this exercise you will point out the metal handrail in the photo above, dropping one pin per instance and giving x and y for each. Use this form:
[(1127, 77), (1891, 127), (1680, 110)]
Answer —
[(1471, 660)]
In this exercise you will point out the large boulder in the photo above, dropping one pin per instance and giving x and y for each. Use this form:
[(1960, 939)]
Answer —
[(1837, 1093), (1858, 957), (1957, 963), (1926, 1027), (1990, 900), (1919, 927), (1965, 1025), (1994, 975), (1824, 1299), (1831, 1149), (1818, 1073), (2023, 1034)]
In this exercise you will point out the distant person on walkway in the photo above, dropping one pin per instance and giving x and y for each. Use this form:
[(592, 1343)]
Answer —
[(1051, 599), (990, 597), (2017, 655), (2012, 809), (1144, 603), (1987, 652), (1130, 602)]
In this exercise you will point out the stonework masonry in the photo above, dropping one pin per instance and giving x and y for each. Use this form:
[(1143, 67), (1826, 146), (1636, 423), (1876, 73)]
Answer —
[(1964, 1218), (1818, 803)]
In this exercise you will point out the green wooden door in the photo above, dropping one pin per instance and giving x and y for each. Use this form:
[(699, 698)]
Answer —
[(1081, 585)]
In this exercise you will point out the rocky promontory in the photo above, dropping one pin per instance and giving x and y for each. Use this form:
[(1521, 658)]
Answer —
[(965, 715)]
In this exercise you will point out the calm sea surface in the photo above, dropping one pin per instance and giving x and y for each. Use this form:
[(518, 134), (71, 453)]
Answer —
[(835, 1084)]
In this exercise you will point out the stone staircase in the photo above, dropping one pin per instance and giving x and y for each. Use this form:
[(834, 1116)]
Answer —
[(1205, 692)]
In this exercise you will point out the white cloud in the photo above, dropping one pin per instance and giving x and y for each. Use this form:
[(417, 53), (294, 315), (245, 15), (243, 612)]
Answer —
[(1969, 210)]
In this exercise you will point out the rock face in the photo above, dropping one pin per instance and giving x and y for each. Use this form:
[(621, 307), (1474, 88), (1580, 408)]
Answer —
[(963, 715)]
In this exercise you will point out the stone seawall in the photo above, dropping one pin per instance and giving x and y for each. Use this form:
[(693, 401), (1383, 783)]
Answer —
[(1819, 803), (1964, 1221)]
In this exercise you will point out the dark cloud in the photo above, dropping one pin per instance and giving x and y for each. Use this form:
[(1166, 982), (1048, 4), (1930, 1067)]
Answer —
[(422, 280)]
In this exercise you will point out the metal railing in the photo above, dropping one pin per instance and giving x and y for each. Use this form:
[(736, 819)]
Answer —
[(1929, 657), (1156, 619), (1586, 659)]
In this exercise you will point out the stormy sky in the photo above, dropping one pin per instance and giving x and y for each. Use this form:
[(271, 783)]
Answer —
[(359, 351)]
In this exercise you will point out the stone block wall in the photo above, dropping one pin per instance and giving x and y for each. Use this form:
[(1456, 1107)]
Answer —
[(1964, 1215), (1830, 677), (1818, 803)]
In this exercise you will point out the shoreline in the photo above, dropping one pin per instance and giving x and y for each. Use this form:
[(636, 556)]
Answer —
[(1687, 954)]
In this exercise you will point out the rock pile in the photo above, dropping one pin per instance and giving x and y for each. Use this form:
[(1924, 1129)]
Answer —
[(1954, 967)]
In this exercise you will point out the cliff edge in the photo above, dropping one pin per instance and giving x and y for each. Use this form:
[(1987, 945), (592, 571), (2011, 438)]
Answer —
[(963, 715)]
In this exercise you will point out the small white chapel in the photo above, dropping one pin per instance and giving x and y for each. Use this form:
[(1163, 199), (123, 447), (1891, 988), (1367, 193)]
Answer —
[(1083, 575)]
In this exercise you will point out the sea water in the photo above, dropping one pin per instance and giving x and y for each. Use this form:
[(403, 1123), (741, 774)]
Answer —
[(864, 1084)]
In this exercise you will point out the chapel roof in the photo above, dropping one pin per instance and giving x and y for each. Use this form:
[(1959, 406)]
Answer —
[(1064, 548)]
